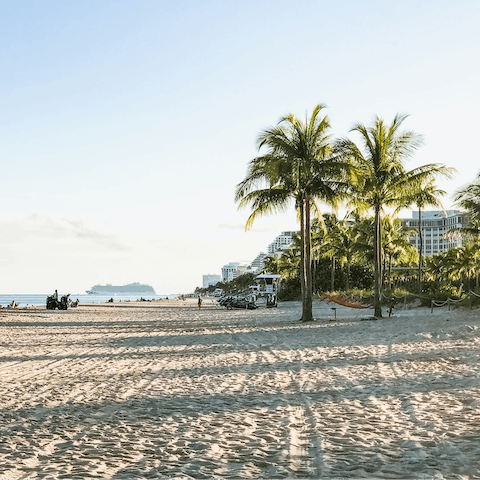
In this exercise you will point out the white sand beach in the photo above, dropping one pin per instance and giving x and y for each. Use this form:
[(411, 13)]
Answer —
[(155, 390)]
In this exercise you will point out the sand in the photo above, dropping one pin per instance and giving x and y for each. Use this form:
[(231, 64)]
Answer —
[(152, 390)]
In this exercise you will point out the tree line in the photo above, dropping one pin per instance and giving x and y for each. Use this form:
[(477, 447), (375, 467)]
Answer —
[(301, 164)]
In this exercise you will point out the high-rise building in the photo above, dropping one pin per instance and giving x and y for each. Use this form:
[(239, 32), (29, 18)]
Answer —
[(234, 269), (257, 264), (437, 228), (281, 243)]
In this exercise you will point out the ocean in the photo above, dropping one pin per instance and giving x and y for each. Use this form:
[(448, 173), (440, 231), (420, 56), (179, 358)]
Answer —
[(24, 300)]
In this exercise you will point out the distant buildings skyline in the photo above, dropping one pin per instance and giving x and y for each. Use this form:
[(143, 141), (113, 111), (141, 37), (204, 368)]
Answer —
[(279, 245), (437, 234), (232, 270)]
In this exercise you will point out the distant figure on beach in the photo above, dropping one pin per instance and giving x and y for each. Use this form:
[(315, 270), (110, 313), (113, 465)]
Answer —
[(55, 296), (199, 302)]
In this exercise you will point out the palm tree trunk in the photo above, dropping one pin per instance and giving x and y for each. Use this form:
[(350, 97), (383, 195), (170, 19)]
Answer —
[(390, 271), (420, 253), (377, 294), (348, 274), (301, 207), (307, 315), (332, 280), (384, 269)]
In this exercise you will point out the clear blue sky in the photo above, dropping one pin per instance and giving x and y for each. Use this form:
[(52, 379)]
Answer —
[(125, 125)]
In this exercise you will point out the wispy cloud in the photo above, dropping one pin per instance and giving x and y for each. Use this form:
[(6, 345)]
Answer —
[(50, 231), (232, 226)]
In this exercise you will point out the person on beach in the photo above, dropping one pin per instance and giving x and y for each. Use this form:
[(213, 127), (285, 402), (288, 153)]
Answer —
[(199, 302), (55, 296)]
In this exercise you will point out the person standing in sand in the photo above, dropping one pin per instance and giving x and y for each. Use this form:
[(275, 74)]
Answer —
[(199, 302)]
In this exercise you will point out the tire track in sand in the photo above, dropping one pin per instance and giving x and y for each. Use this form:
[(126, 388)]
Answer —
[(305, 451)]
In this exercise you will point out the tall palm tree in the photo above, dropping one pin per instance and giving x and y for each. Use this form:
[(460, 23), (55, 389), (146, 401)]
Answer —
[(384, 180), (396, 244), (322, 242), (319, 230), (297, 167), (347, 247)]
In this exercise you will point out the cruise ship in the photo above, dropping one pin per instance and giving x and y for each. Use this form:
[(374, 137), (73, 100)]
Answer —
[(130, 289)]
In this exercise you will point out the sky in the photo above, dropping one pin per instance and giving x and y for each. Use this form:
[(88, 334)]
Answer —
[(126, 125)]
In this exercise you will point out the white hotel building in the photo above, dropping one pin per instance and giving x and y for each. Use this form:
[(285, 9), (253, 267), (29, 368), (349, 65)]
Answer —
[(257, 264), (435, 227), (281, 243), (234, 269)]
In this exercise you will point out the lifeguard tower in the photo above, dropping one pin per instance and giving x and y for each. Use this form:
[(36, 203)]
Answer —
[(266, 289)]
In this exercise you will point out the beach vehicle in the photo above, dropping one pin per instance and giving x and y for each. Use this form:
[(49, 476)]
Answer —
[(61, 304), (236, 301)]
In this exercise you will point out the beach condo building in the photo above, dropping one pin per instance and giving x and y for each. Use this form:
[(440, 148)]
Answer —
[(209, 280), (437, 227), (281, 243), (234, 269), (257, 264)]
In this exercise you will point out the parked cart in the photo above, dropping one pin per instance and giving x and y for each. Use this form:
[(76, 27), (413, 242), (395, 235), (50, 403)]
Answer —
[(53, 303), (236, 301)]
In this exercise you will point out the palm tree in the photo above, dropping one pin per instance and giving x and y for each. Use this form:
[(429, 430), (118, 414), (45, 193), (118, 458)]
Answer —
[(289, 262), (427, 194), (363, 228), (341, 244), (468, 198), (396, 243), (297, 167), (451, 266), (469, 256), (271, 264), (435, 267), (384, 181), (322, 242)]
